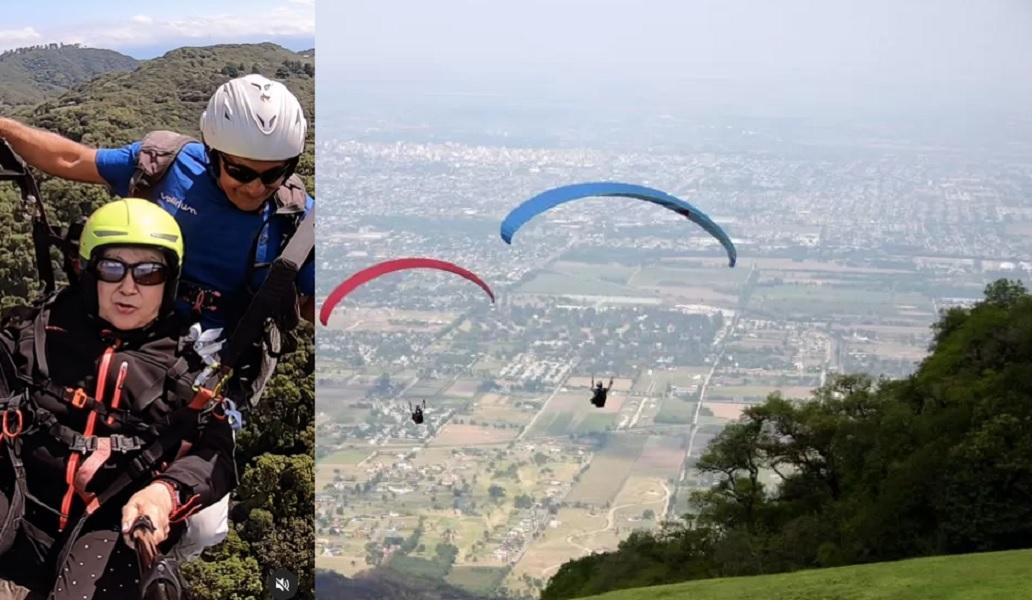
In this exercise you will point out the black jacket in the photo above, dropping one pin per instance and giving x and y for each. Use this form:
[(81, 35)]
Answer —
[(157, 385)]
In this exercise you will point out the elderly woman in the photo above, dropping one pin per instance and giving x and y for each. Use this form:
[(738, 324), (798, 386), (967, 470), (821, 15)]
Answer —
[(107, 444)]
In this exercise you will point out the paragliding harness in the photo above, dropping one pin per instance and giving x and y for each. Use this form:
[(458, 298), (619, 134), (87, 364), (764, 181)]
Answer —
[(262, 333), (20, 414), (263, 330), (152, 447), (417, 412), (599, 393)]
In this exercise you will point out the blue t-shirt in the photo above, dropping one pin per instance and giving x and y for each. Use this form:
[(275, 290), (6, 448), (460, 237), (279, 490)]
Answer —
[(218, 237)]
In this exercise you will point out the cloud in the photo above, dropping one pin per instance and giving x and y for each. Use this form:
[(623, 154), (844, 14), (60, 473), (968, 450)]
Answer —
[(279, 22), (290, 19), (16, 38)]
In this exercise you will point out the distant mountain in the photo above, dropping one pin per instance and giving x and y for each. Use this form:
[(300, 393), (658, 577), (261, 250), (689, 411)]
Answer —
[(384, 584), (171, 90), (29, 75)]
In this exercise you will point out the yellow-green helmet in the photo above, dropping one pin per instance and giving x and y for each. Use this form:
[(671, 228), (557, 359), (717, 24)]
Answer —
[(131, 222)]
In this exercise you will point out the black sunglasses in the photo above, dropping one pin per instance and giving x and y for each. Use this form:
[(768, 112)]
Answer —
[(111, 270), (247, 174)]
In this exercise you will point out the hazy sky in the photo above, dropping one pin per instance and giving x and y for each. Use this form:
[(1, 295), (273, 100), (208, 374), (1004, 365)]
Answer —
[(956, 52), (150, 29)]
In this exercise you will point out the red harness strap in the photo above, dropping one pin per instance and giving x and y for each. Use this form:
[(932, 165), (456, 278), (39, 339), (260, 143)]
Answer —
[(91, 423), (101, 455)]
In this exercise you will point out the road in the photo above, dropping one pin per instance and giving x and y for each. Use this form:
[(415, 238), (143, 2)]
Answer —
[(641, 405), (610, 522), (545, 405), (720, 349)]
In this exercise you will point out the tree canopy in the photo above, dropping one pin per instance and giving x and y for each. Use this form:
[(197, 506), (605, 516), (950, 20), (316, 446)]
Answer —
[(866, 470)]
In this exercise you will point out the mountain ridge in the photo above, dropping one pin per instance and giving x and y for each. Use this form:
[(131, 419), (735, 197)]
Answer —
[(33, 73)]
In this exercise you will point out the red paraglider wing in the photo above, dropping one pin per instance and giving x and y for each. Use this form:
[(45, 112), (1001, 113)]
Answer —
[(390, 266)]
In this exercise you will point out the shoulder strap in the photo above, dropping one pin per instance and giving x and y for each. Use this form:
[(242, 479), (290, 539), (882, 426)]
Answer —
[(13, 168), (291, 197), (158, 150), (274, 292), (289, 204), (8, 369), (38, 361)]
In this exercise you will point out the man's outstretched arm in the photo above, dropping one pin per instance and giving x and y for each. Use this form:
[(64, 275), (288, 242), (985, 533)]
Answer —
[(51, 153)]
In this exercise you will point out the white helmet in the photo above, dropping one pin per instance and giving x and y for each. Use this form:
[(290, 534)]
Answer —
[(256, 118)]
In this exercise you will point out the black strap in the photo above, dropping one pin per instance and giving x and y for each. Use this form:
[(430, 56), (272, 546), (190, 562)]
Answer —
[(82, 444), (277, 288), (13, 168), (39, 338), (16, 503), (8, 370)]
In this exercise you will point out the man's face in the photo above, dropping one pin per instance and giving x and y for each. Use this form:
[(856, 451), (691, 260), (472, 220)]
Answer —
[(249, 183)]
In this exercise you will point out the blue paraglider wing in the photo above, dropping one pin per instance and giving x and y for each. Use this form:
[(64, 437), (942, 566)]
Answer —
[(556, 196)]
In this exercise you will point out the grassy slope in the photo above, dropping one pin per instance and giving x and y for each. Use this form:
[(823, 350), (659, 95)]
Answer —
[(968, 577)]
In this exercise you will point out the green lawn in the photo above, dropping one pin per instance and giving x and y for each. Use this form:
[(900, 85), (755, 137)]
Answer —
[(825, 300), (963, 577), (559, 284), (349, 456), (675, 411), (419, 566), (477, 580), (552, 424), (593, 423)]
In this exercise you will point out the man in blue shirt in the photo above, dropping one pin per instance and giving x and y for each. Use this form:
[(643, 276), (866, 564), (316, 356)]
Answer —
[(221, 193), (222, 237)]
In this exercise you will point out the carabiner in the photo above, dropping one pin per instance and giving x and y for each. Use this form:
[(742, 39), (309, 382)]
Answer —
[(222, 382), (6, 426)]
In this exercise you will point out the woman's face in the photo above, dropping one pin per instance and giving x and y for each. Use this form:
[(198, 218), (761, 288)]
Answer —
[(128, 304)]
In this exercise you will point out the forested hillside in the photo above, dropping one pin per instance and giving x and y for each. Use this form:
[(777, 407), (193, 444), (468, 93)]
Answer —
[(865, 471)]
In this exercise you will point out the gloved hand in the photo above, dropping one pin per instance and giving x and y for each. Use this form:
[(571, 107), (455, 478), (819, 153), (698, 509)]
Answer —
[(154, 501)]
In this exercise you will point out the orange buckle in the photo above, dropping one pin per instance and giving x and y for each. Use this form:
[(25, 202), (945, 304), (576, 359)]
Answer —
[(6, 425), (201, 399), (79, 397)]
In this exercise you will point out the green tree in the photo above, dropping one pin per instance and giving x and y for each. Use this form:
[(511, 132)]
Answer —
[(937, 462), (446, 553), (231, 572)]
